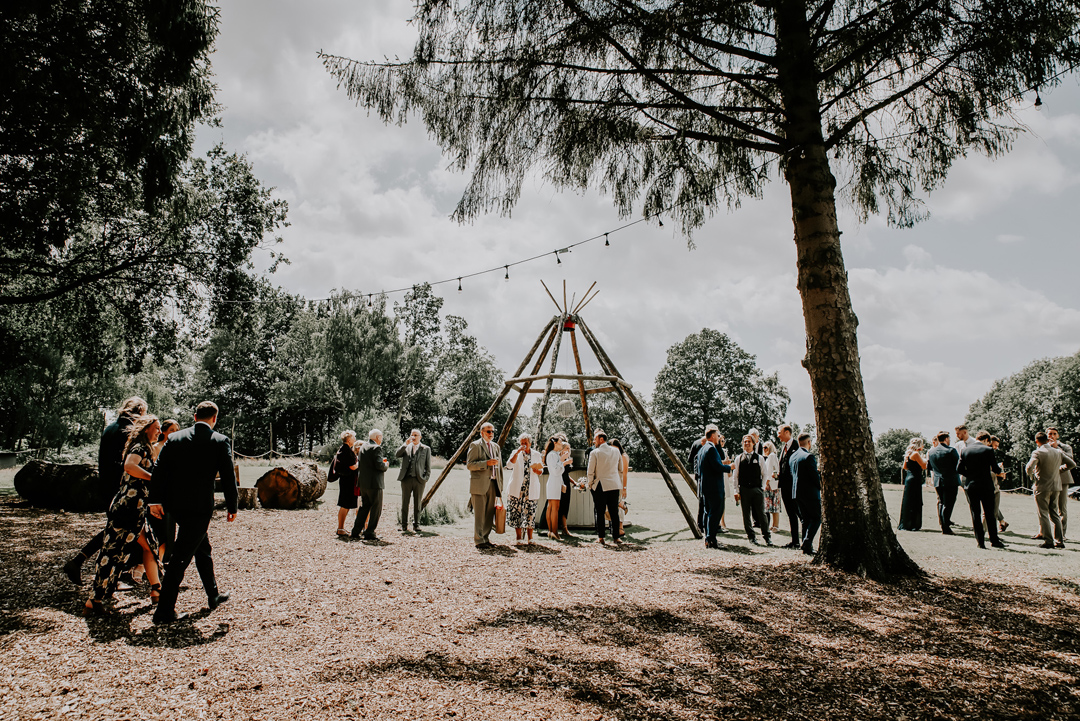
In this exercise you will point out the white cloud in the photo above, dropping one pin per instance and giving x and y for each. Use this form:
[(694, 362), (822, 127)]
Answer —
[(1009, 239), (916, 255)]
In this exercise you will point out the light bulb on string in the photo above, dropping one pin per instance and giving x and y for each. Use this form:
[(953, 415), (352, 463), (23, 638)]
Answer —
[(1038, 101), (369, 303), (507, 278), (606, 241), (459, 285), (659, 220), (558, 260)]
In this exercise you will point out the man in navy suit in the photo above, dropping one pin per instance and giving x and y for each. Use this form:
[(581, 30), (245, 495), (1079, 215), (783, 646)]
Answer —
[(783, 481), (978, 466), (943, 460), (183, 485), (710, 472), (806, 490)]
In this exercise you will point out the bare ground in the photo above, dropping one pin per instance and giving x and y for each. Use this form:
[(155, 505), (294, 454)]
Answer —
[(427, 627)]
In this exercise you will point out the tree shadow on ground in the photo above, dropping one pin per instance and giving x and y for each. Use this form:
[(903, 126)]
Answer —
[(790, 641)]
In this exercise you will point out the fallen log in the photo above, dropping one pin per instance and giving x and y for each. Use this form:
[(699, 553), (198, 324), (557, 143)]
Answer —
[(291, 486), (247, 497), (71, 487)]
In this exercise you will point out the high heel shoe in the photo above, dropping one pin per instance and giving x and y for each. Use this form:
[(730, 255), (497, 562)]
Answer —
[(155, 593), (93, 607)]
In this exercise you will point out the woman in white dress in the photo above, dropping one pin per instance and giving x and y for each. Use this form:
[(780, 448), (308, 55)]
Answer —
[(554, 462)]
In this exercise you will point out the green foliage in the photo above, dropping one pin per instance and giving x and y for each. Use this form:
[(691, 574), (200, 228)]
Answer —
[(363, 422), (1045, 393), (889, 451), (100, 102), (708, 378)]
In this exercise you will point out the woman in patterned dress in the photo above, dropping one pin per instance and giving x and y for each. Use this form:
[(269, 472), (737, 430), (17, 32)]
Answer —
[(523, 491), (128, 538), (772, 489)]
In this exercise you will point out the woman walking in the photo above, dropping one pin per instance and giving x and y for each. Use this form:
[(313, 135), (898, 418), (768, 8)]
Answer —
[(128, 538), (344, 467), (914, 472)]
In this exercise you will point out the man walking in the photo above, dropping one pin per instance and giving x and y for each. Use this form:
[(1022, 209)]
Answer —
[(414, 474), (806, 489), (182, 485), (943, 460), (1066, 479), (784, 480), (710, 474), (1044, 468), (605, 481), (484, 461), (371, 464), (976, 468)]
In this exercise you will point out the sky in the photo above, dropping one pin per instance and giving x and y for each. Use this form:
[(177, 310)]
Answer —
[(988, 284)]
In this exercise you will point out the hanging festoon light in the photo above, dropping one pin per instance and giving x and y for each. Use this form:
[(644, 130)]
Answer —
[(369, 303), (558, 260), (606, 241), (1038, 100), (459, 285), (507, 268), (565, 408)]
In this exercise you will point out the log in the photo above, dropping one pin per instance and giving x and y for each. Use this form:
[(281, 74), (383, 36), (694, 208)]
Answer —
[(247, 497), (71, 487), (291, 486), (217, 480)]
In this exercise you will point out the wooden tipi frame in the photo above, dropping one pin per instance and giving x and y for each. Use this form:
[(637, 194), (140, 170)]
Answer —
[(569, 321)]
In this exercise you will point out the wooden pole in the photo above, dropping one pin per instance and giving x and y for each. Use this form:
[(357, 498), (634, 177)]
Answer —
[(581, 387), (609, 367), (270, 455), (575, 310), (524, 390), (570, 377), (550, 295), (547, 387), (582, 306), (565, 308)]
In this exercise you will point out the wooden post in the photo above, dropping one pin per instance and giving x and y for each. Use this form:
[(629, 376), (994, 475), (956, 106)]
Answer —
[(581, 387), (270, 455), (547, 387), (525, 387), (602, 356)]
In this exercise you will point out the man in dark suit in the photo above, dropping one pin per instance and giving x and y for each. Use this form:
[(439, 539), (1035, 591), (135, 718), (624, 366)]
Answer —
[(414, 474), (110, 474), (371, 467), (943, 460), (784, 480), (692, 466), (977, 465), (183, 485), (710, 472), (806, 490)]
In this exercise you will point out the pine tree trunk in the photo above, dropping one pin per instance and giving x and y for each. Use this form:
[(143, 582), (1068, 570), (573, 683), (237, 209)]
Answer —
[(856, 534)]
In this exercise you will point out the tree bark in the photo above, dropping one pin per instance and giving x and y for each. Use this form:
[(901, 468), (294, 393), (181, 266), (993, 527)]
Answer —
[(75, 487), (856, 533), (292, 486)]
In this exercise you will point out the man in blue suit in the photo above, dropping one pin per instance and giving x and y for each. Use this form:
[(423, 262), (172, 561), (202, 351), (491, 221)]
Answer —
[(943, 460), (710, 472), (806, 490)]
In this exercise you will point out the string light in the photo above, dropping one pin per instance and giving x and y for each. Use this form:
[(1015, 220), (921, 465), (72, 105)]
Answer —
[(659, 220), (459, 285), (369, 303), (558, 260), (507, 278), (1038, 100), (607, 243)]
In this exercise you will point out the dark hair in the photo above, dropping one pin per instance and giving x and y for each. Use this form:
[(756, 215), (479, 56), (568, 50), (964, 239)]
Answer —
[(133, 407), (942, 436), (960, 427), (169, 423), (710, 432), (995, 439), (785, 427), (206, 410), (1055, 430), (615, 442), (982, 435), (137, 432), (601, 435), (1041, 437), (549, 446), (803, 437)]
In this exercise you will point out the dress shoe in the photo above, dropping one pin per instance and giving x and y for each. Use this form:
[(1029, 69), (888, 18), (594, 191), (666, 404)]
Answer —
[(370, 538), (1059, 545), (1046, 544), (216, 600), (982, 546), (997, 544), (169, 617), (790, 545), (722, 530), (808, 550), (73, 570), (711, 543), (769, 543), (416, 529), (755, 541), (947, 532)]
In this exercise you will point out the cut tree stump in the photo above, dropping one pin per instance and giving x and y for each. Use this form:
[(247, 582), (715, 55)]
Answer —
[(291, 486), (74, 487), (247, 498)]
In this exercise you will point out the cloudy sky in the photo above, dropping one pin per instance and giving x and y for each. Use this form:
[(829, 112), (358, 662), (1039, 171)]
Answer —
[(989, 283)]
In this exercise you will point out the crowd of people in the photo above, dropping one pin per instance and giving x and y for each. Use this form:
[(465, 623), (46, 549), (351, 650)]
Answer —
[(158, 519), (974, 465)]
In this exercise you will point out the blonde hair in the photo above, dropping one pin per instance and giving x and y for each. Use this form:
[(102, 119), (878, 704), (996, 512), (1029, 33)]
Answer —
[(345, 436)]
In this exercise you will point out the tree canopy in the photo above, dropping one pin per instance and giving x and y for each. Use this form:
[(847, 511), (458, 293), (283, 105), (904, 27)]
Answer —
[(681, 107)]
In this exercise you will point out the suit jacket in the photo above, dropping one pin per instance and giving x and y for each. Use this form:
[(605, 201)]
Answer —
[(1044, 467), (943, 460), (479, 471), (111, 454), (978, 466), (784, 479), (804, 471), (711, 468), (691, 460), (183, 480), (419, 464), (1066, 477), (604, 468), (370, 469)]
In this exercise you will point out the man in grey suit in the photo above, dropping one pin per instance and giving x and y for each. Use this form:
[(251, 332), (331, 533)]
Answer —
[(1044, 468), (1066, 479), (943, 460), (484, 462), (604, 472), (371, 465), (413, 475)]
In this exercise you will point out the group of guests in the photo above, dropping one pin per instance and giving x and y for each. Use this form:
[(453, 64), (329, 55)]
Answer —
[(973, 464), (759, 478), (158, 518)]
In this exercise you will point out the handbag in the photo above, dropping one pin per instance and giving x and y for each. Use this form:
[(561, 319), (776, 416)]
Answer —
[(500, 517)]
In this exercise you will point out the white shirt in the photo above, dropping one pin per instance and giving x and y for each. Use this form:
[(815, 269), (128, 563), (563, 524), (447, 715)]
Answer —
[(735, 469), (518, 467)]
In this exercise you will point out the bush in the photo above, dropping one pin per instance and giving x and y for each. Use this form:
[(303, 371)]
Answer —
[(889, 450), (362, 422), (441, 513)]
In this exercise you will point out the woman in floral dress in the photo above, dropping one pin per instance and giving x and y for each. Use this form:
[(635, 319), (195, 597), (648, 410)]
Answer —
[(523, 491), (128, 538)]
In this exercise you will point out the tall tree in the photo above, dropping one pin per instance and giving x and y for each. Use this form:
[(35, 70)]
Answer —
[(98, 104), (708, 378), (889, 451), (363, 352), (683, 105), (418, 319)]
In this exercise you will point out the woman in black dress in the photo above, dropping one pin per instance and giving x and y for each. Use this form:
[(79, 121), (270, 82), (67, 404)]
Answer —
[(345, 465), (914, 473), (128, 537)]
